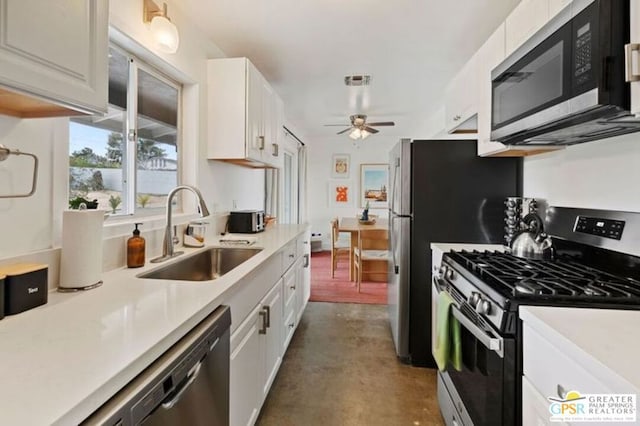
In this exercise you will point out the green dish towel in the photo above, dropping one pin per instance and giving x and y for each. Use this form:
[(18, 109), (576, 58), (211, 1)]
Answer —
[(448, 346)]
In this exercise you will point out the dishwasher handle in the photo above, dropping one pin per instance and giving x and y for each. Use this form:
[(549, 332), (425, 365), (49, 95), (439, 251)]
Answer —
[(192, 376)]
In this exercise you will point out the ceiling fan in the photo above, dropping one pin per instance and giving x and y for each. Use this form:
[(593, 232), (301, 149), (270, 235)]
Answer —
[(359, 128)]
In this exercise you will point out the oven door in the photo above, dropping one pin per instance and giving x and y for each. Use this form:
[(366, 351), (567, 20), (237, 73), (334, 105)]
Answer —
[(484, 390)]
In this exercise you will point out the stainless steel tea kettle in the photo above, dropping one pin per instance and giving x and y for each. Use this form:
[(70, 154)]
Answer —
[(532, 242)]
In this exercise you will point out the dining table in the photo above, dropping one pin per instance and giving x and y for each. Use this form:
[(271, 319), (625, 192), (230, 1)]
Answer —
[(353, 225)]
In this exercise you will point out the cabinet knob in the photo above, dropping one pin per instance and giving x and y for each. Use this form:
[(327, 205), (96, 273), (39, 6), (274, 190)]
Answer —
[(292, 325), (562, 393), (292, 255), (456, 118), (293, 287)]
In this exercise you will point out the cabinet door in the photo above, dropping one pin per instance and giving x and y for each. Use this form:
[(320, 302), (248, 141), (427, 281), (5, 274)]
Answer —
[(268, 122), (306, 272), (490, 55), (56, 50), (535, 407), (527, 18), (555, 6), (277, 132), (635, 56), (461, 98), (255, 142), (300, 274), (246, 370), (272, 303)]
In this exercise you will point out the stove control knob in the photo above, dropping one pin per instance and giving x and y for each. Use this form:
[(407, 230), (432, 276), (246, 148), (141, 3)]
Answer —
[(450, 274), (483, 307), (442, 271), (474, 298)]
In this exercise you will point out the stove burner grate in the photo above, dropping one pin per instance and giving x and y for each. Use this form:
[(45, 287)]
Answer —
[(517, 277)]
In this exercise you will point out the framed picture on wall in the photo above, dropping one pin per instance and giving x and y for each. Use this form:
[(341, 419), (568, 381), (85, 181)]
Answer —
[(340, 193), (340, 166), (374, 180)]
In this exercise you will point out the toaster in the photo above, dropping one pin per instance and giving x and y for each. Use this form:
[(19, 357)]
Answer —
[(246, 221)]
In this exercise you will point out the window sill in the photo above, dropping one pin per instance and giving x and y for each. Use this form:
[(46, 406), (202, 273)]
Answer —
[(123, 225)]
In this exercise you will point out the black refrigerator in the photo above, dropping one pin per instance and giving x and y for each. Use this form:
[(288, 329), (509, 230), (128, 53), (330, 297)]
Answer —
[(439, 191)]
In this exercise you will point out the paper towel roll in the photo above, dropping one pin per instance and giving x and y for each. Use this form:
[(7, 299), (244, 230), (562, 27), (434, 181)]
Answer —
[(81, 260)]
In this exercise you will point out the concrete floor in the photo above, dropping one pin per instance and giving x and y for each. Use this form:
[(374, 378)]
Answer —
[(341, 369)]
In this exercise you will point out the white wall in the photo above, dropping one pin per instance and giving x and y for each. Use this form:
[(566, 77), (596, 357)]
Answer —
[(602, 175), (34, 223), (27, 223), (372, 150)]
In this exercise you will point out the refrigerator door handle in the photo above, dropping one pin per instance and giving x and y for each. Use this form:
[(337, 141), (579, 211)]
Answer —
[(396, 269), (394, 193)]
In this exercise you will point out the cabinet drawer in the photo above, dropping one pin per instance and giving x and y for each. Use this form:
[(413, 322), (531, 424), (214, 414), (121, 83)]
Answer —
[(547, 368), (290, 288), (302, 245), (289, 327), (289, 255)]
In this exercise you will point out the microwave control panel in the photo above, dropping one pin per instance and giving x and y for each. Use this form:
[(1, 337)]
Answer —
[(606, 228), (582, 53)]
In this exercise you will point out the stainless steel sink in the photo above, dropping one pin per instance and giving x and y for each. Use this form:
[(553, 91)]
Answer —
[(204, 266)]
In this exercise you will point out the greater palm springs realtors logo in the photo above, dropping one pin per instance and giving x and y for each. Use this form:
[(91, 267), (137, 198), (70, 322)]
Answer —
[(607, 407)]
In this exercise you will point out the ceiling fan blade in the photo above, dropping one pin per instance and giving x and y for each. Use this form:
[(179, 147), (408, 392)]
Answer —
[(341, 125), (344, 131), (382, 123), (370, 129)]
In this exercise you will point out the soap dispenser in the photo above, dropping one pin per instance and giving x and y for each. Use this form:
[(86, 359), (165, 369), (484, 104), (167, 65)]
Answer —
[(135, 249)]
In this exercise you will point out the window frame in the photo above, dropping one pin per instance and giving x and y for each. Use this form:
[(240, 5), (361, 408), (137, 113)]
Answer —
[(130, 133)]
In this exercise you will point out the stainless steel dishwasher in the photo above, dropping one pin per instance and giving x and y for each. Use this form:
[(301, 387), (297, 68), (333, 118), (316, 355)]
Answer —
[(187, 385)]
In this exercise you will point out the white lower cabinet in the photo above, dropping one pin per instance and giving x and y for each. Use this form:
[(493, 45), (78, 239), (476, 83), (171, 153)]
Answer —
[(272, 336), (260, 341), (245, 375), (256, 354), (535, 407)]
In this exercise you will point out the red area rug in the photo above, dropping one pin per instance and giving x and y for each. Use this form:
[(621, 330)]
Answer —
[(340, 289)]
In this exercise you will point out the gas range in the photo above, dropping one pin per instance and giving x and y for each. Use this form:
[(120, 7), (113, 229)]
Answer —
[(596, 264)]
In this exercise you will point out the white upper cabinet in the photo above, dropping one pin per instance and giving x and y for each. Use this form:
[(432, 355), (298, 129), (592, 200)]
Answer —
[(490, 54), (634, 59), (555, 6), (461, 100), (527, 18), (54, 57), (243, 117)]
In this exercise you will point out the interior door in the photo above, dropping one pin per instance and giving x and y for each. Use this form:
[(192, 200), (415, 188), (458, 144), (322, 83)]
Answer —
[(290, 187)]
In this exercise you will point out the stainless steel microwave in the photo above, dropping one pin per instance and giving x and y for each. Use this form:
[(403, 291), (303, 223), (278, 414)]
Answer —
[(566, 84)]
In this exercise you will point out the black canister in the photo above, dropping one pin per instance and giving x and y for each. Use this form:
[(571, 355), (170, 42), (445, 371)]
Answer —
[(1, 297), (25, 287)]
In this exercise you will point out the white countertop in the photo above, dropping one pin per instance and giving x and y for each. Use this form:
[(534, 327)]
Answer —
[(61, 361), (605, 342)]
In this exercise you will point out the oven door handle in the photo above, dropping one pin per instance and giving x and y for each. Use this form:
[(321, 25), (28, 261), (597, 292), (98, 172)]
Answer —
[(492, 343)]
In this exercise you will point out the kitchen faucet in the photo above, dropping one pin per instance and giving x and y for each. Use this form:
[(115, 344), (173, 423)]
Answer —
[(167, 244)]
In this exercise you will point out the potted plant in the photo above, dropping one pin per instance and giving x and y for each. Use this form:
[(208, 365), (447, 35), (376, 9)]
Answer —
[(75, 203)]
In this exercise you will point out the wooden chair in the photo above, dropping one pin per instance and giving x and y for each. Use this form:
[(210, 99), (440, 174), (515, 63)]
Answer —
[(372, 250), (338, 247)]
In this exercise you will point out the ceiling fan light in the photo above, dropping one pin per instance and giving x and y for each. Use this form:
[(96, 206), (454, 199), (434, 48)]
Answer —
[(355, 134), (364, 134)]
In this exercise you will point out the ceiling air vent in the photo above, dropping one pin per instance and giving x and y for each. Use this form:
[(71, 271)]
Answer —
[(357, 80)]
